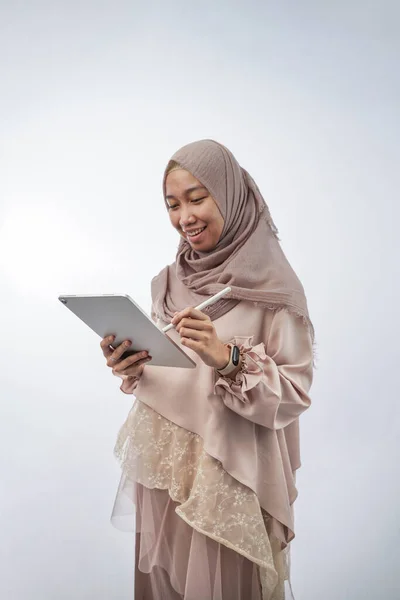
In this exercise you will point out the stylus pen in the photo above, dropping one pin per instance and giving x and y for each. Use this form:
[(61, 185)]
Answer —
[(208, 302)]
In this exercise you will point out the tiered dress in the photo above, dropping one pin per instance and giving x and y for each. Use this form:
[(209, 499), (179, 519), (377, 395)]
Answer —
[(213, 498)]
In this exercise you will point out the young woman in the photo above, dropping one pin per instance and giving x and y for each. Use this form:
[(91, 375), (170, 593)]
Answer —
[(209, 455)]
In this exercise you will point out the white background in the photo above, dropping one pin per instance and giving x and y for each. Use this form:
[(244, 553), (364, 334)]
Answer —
[(95, 97)]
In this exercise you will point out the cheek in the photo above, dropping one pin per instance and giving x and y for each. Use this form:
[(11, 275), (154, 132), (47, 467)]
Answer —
[(208, 213), (218, 224), (174, 218)]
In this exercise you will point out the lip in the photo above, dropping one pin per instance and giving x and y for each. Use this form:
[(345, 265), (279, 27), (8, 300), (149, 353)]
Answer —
[(193, 239)]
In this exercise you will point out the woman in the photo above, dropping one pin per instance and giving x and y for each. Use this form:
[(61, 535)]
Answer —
[(209, 454)]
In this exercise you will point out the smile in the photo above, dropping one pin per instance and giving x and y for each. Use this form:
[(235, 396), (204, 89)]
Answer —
[(195, 233)]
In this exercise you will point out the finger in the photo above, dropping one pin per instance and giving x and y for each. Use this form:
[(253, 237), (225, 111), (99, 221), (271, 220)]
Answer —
[(195, 324), (105, 345), (133, 360), (195, 345), (190, 312), (132, 370), (192, 334), (118, 352), (135, 371)]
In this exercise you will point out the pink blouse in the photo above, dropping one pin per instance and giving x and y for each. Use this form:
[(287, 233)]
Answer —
[(250, 425)]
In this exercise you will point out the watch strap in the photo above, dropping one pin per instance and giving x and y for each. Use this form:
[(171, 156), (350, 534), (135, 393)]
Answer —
[(234, 360)]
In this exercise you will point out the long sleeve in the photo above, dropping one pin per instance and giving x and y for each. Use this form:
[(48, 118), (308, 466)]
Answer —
[(129, 384), (275, 393)]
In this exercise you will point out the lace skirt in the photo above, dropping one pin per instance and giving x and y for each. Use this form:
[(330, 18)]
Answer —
[(200, 534)]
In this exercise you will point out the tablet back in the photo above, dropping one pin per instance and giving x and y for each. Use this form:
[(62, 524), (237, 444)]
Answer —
[(119, 315)]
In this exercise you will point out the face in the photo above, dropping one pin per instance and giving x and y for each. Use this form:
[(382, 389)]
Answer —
[(192, 211)]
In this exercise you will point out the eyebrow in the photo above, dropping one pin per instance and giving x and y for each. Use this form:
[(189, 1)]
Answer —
[(194, 188)]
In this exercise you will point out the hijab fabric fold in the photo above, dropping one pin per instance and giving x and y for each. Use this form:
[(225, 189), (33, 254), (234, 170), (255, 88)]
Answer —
[(248, 256)]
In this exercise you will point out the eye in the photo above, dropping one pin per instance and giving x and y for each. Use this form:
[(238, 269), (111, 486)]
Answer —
[(197, 200), (173, 207)]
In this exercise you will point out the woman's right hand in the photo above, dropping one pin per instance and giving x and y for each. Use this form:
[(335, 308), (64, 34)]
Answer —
[(126, 368)]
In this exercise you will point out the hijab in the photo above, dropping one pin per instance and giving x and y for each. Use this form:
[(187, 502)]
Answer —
[(248, 256)]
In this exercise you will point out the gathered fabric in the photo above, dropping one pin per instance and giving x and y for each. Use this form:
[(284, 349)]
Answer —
[(197, 527)]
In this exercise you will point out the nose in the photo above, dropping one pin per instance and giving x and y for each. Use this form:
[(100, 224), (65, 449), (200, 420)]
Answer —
[(187, 217)]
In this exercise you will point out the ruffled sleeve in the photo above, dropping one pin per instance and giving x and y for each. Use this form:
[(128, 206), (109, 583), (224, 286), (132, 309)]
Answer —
[(272, 387), (129, 384)]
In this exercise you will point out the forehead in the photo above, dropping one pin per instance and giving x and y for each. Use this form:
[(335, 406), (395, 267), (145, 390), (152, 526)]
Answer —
[(180, 181)]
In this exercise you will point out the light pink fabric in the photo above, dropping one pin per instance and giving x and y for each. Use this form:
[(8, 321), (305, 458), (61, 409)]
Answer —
[(250, 426), (159, 454), (174, 561), (248, 256)]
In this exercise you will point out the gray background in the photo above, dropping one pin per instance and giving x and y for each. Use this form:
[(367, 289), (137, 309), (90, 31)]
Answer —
[(95, 97)]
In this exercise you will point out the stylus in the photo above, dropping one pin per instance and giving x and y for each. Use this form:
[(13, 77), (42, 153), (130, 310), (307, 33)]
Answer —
[(208, 302)]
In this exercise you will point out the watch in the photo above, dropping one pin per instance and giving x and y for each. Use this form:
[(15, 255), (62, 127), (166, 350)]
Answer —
[(233, 363)]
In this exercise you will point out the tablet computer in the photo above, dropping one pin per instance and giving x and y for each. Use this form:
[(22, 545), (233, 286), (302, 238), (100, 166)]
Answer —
[(119, 315)]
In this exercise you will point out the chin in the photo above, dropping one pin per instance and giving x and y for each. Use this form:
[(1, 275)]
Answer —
[(204, 247)]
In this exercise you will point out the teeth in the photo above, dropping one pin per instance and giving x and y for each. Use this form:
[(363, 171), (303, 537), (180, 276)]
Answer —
[(192, 233)]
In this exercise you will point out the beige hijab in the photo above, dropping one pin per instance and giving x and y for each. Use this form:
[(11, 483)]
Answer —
[(248, 256)]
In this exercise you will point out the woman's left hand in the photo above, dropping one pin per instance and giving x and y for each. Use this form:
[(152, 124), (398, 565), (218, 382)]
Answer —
[(198, 333)]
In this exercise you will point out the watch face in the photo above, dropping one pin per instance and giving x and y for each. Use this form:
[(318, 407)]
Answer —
[(235, 355)]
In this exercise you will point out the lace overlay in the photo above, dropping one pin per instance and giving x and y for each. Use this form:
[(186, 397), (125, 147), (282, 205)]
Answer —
[(159, 454)]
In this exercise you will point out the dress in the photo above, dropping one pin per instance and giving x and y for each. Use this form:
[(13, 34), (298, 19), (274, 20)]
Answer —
[(201, 532)]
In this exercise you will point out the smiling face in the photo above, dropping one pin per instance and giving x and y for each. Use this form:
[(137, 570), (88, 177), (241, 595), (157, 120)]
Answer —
[(192, 211)]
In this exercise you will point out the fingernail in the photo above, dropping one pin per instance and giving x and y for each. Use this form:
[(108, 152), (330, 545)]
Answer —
[(127, 343)]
